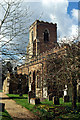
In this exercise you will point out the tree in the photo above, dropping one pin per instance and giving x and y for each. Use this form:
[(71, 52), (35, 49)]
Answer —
[(55, 72), (59, 67), (9, 66), (72, 62), (3, 72), (63, 68), (5, 68), (17, 83), (14, 24)]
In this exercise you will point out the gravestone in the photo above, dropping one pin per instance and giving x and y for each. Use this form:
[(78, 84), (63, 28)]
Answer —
[(20, 94), (56, 100), (65, 90), (2, 106), (66, 98), (34, 101), (50, 96), (30, 95)]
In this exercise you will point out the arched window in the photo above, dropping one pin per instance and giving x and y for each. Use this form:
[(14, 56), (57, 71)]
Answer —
[(32, 35), (46, 36)]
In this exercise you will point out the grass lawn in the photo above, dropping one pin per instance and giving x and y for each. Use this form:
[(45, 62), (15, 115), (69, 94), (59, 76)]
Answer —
[(5, 116), (46, 110)]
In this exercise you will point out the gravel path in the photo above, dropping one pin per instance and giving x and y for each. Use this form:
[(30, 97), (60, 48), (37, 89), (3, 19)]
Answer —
[(16, 111)]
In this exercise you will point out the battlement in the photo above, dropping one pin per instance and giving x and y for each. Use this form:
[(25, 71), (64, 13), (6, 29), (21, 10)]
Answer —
[(37, 22)]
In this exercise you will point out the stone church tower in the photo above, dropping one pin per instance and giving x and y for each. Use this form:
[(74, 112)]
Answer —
[(42, 36)]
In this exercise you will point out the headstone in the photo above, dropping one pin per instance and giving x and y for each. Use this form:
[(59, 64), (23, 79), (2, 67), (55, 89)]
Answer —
[(66, 98), (20, 94), (50, 96), (34, 101), (56, 100), (30, 95), (65, 90), (2, 106)]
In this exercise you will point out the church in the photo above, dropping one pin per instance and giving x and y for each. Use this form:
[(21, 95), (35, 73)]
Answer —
[(43, 66), (42, 45)]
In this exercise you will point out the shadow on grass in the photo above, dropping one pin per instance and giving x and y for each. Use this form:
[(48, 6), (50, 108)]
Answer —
[(5, 116), (13, 98)]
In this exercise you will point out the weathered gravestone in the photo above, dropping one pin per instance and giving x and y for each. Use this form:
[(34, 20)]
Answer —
[(50, 96), (66, 90), (56, 100), (66, 98), (30, 95), (34, 101), (2, 106)]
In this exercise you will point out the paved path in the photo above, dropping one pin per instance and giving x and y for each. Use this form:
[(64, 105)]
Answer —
[(16, 111)]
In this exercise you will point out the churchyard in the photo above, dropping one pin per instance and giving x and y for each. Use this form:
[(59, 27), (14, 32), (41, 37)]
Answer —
[(47, 110)]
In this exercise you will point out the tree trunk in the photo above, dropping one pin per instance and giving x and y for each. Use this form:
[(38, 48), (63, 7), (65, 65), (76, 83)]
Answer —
[(74, 95)]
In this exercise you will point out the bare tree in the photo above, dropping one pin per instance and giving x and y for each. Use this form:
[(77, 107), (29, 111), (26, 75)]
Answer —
[(14, 24)]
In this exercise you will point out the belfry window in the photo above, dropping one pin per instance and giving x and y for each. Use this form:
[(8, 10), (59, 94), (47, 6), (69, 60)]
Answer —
[(32, 36), (46, 36)]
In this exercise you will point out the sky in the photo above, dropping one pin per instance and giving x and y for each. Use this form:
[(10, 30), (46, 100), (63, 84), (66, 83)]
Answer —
[(62, 12), (71, 6)]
